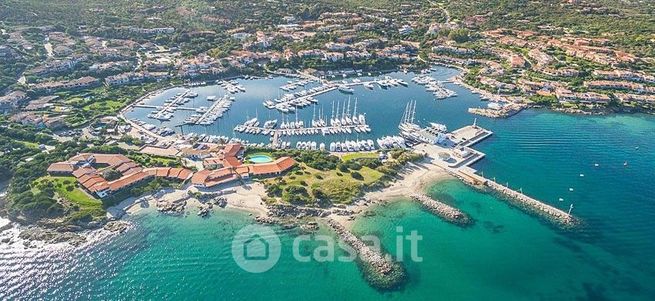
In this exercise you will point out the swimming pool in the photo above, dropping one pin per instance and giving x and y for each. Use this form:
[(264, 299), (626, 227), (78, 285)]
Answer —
[(260, 159)]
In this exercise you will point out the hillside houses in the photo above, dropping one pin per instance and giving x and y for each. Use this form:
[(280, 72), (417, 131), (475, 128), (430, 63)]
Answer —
[(58, 66), (12, 101), (134, 77), (74, 84)]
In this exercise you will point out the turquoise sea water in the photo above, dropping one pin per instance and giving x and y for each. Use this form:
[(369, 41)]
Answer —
[(506, 255)]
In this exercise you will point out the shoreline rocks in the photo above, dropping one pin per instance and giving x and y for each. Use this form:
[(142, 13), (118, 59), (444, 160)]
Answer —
[(51, 236), (284, 210), (176, 207), (117, 226)]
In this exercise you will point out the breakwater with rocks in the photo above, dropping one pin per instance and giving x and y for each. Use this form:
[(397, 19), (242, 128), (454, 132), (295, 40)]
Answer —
[(446, 212), (379, 269)]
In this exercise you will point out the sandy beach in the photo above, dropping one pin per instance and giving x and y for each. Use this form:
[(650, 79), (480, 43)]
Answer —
[(415, 177), (247, 197)]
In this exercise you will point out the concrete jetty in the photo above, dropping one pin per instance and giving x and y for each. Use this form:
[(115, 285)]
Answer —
[(520, 199), (379, 270), (447, 212), (461, 157)]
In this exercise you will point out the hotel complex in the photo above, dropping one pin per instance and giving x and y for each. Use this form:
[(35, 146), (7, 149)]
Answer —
[(226, 165)]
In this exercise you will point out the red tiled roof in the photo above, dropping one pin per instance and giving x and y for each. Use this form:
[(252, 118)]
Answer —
[(200, 177), (109, 159), (127, 181), (209, 178), (132, 173), (231, 150), (174, 172), (168, 172), (100, 186), (162, 172), (185, 174), (133, 170), (277, 166), (231, 162), (91, 181), (83, 171), (61, 167), (123, 167), (213, 161), (241, 170)]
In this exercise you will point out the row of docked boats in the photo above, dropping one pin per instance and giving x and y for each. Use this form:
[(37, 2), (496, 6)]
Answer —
[(289, 102), (310, 145), (207, 116), (352, 146), (292, 85), (232, 87), (434, 86), (171, 104), (164, 131), (257, 130), (209, 138), (341, 121), (391, 142), (388, 82)]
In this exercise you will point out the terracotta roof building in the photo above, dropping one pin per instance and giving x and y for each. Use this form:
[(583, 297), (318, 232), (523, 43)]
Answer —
[(61, 168), (85, 168), (273, 168)]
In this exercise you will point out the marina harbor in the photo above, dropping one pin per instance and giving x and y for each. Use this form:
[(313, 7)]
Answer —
[(346, 116)]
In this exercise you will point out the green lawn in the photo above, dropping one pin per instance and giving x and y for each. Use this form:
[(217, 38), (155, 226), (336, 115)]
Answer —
[(154, 161), (108, 106), (29, 144), (85, 202), (359, 155), (341, 187)]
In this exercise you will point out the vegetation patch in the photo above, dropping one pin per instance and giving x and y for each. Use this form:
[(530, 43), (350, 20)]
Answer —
[(81, 205)]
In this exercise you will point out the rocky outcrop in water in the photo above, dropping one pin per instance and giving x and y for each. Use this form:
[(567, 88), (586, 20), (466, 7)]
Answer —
[(171, 206), (51, 236), (117, 226)]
